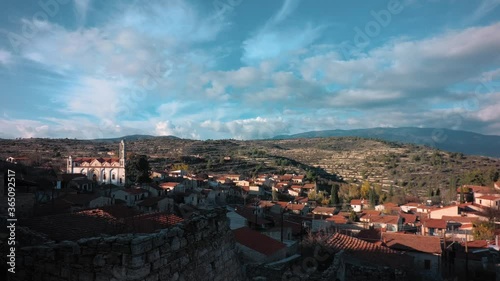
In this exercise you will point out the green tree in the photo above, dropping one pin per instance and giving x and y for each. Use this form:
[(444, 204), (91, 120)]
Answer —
[(353, 216), (310, 175), (334, 195), (137, 169), (372, 198)]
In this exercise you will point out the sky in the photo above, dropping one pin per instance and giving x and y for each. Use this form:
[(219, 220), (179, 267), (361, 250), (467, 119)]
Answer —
[(246, 69)]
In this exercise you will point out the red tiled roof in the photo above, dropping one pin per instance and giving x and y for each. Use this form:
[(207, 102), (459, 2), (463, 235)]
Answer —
[(382, 219), (257, 241), (120, 211), (286, 177), (291, 206), (357, 202), (476, 244), (370, 213), (370, 235), (434, 223), (337, 219), (408, 218), (324, 210), (100, 160), (368, 252), (309, 186), (412, 242)]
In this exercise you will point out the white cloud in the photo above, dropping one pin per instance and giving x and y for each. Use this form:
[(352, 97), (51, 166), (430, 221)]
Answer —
[(100, 98), (277, 39), (5, 57), (252, 128)]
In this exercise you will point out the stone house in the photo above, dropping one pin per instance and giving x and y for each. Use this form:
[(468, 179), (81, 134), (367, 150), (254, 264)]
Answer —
[(130, 195), (425, 250), (156, 204)]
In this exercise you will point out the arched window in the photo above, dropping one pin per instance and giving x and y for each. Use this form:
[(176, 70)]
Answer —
[(104, 175), (113, 176), (120, 180)]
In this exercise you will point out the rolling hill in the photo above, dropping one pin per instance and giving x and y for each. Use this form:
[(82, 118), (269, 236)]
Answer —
[(443, 139)]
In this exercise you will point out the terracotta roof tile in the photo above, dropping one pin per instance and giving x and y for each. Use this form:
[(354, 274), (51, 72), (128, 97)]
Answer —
[(309, 186), (370, 235), (369, 252), (257, 241), (324, 210), (434, 223), (408, 218), (381, 219), (357, 202), (412, 242), (120, 211), (337, 219)]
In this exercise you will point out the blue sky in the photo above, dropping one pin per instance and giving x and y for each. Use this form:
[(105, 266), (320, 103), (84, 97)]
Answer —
[(246, 69)]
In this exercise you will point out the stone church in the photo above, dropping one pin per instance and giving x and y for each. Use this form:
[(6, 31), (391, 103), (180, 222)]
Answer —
[(101, 170)]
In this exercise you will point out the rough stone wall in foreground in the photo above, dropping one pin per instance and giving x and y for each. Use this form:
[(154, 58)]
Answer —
[(202, 248)]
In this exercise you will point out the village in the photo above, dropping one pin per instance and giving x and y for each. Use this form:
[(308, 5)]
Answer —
[(272, 216)]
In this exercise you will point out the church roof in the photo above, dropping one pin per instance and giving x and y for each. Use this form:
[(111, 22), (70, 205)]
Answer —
[(100, 160)]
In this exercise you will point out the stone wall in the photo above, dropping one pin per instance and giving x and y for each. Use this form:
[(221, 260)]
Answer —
[(202, 248)]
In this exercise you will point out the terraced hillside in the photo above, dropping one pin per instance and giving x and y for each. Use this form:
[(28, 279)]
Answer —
[(416, 169)]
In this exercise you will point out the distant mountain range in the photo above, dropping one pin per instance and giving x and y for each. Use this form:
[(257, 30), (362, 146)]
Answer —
[(444, 139), (135, 138)]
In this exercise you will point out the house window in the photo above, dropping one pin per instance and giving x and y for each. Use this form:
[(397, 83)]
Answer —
[(120, 180), (480, 201), (427, 264), (126, 197), (113, 177)]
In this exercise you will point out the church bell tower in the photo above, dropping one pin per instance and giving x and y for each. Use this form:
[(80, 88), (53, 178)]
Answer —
[(122, 153)]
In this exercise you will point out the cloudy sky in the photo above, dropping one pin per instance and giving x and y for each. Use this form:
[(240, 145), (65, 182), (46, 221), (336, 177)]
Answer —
[(246, 69)]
